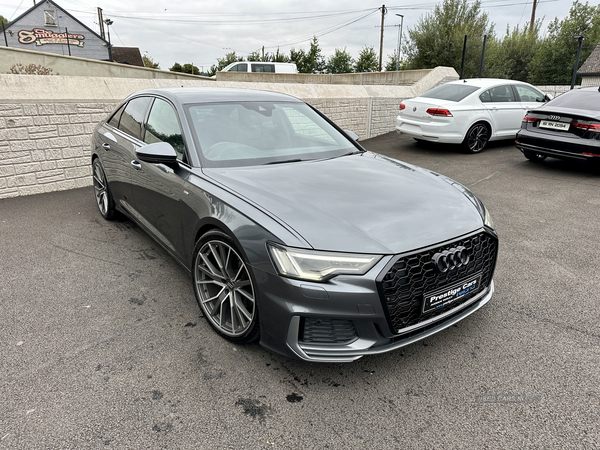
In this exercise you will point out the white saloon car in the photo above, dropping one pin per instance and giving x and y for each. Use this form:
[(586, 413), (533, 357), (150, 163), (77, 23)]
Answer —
[(469, 112)]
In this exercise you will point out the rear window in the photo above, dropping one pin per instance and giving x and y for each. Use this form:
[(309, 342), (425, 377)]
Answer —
[(450, 92), (578, 100)]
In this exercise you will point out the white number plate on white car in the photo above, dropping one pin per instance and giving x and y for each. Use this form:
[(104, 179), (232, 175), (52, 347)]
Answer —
[(554, 125)]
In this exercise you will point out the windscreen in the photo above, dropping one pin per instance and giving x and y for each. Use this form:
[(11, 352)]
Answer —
[(450, 92), (250, 133)]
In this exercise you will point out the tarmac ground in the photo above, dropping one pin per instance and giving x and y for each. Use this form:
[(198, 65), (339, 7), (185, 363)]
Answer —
[(102, 344)]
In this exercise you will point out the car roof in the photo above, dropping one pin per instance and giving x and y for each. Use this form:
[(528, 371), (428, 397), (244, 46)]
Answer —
[(486, 82), (186, 95)]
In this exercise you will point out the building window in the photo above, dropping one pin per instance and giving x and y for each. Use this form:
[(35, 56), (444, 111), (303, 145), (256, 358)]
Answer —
[(50, 18)]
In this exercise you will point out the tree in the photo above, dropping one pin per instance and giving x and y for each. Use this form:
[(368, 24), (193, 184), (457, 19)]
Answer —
[(314, 61), (437, 38), (390, 65), (553, 63), (511, 57), (229, 58), (298, 57), (176, 68), (340, 62), (3, 20), (189, 68), (149, 62), (367, 61)]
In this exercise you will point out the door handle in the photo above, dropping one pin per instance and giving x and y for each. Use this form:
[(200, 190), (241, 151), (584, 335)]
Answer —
[(106, 146), (136, 165)]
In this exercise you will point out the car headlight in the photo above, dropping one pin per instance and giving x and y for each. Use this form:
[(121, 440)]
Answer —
[(487, 221), (318, 266)]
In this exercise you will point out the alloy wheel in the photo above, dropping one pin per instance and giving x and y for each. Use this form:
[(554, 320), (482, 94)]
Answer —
[(477, 138), (224, 287), (100, 189)]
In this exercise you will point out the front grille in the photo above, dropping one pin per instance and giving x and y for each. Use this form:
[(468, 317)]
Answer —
[(413, 275), (327, 331)]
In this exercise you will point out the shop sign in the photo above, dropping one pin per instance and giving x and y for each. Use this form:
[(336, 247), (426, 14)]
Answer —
[(42, 37)]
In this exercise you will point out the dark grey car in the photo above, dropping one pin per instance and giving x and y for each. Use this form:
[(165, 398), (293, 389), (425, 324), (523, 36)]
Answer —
[(293, 233)]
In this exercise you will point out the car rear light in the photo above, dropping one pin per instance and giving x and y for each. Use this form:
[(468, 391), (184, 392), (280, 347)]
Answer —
[(593, 127), (529, 119), (402, 106), (439, 112)]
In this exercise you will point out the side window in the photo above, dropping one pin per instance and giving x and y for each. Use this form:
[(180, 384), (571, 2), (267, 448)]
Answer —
[(502, 94), (133, 116), (263, 68), (528, 94), (485, 97), (163, 126), (243, 67), (114, 120)]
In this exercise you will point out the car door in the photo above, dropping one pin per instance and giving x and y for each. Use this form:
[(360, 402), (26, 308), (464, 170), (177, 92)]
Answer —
[(119, 139), (529, 97), (157, 188), (504, 109)]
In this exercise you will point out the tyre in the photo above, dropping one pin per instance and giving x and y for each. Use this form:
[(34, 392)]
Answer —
[(533, 156), (104, 199), (477, 138), (224, 288)]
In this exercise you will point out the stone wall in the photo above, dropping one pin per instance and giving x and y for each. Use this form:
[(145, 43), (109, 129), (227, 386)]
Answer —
[(45, 147), (46, 122)]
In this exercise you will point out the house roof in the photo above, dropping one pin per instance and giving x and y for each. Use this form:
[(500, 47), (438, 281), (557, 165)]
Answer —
[(591, 66), (46, 2), (127, 55)]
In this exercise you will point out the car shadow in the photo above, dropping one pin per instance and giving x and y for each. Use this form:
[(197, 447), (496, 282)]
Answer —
[(554, 165)]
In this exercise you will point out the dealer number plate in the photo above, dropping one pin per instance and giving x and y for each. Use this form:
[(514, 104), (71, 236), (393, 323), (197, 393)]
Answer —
[(450, 294), (554, 125)]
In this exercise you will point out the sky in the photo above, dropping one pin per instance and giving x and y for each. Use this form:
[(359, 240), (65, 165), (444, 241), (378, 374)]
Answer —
[(199, 31)]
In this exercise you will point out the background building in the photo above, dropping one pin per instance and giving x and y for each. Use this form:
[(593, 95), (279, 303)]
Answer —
[(44, 28)]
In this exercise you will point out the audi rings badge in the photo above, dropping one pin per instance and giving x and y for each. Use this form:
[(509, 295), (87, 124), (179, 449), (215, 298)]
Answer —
[(450, 259)]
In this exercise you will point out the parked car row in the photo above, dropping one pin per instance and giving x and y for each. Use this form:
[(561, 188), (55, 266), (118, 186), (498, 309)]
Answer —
[(475, 111)]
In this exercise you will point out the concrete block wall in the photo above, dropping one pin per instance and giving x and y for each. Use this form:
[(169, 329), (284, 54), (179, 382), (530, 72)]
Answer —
[(46, 122), (45, 147)]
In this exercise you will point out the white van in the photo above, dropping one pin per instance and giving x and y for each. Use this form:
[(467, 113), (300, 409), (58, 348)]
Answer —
[(261, 67)]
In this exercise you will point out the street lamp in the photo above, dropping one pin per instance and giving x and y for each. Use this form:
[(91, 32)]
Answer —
[(108, 23), (580, 38), (399, 41)]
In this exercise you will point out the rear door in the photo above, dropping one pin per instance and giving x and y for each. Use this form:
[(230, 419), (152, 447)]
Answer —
[(505, 110)]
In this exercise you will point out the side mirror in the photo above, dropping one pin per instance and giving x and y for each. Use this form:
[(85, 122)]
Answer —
[(548, 97), (157, 153), (352, 135)]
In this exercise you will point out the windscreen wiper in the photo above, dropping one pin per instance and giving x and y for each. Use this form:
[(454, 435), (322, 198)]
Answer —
[(286, 161)]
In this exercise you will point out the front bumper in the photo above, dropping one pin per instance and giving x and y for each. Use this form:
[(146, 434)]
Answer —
[(347, 317), (372, 344)]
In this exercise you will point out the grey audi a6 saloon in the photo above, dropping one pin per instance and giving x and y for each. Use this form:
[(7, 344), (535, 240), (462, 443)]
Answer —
[(293, 234)]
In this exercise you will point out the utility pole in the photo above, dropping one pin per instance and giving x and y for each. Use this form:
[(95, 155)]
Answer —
[(101, 23), (532, 16), (108, 24), (383, 11), (399, 41)]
